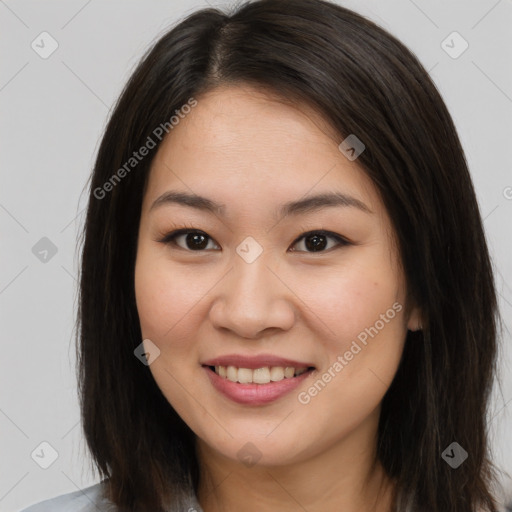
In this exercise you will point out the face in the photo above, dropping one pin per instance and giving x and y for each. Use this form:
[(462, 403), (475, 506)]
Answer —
[(250, 289)]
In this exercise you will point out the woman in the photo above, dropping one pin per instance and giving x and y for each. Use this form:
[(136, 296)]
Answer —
[(287, 301)]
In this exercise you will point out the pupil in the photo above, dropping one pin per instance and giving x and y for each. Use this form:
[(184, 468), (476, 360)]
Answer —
[(194, 237), (318, 242)]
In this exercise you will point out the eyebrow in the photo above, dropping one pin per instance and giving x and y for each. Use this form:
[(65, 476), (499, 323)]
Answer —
[(299, 207)]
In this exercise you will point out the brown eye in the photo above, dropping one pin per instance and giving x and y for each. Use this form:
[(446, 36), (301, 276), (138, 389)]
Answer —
[(192, 240), (195, 240), (318, 241)]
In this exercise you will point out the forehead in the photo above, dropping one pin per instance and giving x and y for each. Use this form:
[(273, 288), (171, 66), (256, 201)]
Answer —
[(243, 143)]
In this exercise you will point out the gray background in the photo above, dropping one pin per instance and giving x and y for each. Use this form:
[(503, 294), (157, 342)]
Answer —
[(53, 112)]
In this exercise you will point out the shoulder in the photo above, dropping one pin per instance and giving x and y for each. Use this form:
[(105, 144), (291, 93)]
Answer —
[(89, 499)]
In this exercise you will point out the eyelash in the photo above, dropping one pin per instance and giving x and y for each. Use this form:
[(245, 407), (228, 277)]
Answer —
[(170, 238)]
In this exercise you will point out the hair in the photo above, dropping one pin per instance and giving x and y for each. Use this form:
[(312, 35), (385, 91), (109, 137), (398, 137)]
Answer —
[(362, 81)]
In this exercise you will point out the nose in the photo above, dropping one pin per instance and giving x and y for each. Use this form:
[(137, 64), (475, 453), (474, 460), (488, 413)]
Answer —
[(252, 300)]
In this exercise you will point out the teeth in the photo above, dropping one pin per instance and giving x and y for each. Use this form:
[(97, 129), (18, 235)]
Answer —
[(289, 372), (276, 373), (263, 375), (232, 373), (259, 376), (244, 375)]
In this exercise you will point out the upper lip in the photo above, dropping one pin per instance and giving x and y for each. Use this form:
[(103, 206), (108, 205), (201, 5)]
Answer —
[(254, 362)]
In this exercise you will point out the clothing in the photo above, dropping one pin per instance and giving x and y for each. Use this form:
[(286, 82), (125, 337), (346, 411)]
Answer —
[(90, 500)]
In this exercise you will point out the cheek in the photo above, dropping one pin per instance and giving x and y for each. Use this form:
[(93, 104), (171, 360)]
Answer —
[(368, 321), (160, 296), (166, 314), (151, 296), (348, 301), (363, 344)]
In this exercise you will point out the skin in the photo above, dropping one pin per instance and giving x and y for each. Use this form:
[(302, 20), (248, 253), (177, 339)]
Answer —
[(252, 153)]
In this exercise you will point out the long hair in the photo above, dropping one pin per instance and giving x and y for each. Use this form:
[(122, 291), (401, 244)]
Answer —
[(362, 81)]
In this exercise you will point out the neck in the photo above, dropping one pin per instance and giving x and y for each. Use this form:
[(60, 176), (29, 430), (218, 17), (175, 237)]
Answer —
[(343, 476)]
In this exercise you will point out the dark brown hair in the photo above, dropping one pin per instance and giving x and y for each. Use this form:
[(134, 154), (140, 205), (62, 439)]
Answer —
[(361, 80)]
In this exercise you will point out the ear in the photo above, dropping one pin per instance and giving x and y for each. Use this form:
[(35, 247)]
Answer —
[(414, 322)]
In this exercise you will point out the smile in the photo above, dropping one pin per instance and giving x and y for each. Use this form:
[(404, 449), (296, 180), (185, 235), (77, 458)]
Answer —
[(255, 386), (263, 375)]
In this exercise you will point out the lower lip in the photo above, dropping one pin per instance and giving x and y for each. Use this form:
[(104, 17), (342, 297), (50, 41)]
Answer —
[(255, 394)]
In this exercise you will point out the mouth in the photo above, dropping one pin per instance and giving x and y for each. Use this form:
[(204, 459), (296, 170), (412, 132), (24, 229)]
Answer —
[(262, 376), (256, 380), (254, 386)]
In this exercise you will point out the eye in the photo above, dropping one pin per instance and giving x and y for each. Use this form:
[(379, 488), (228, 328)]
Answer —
[(196, 240), (317, 241), (193, 239)]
